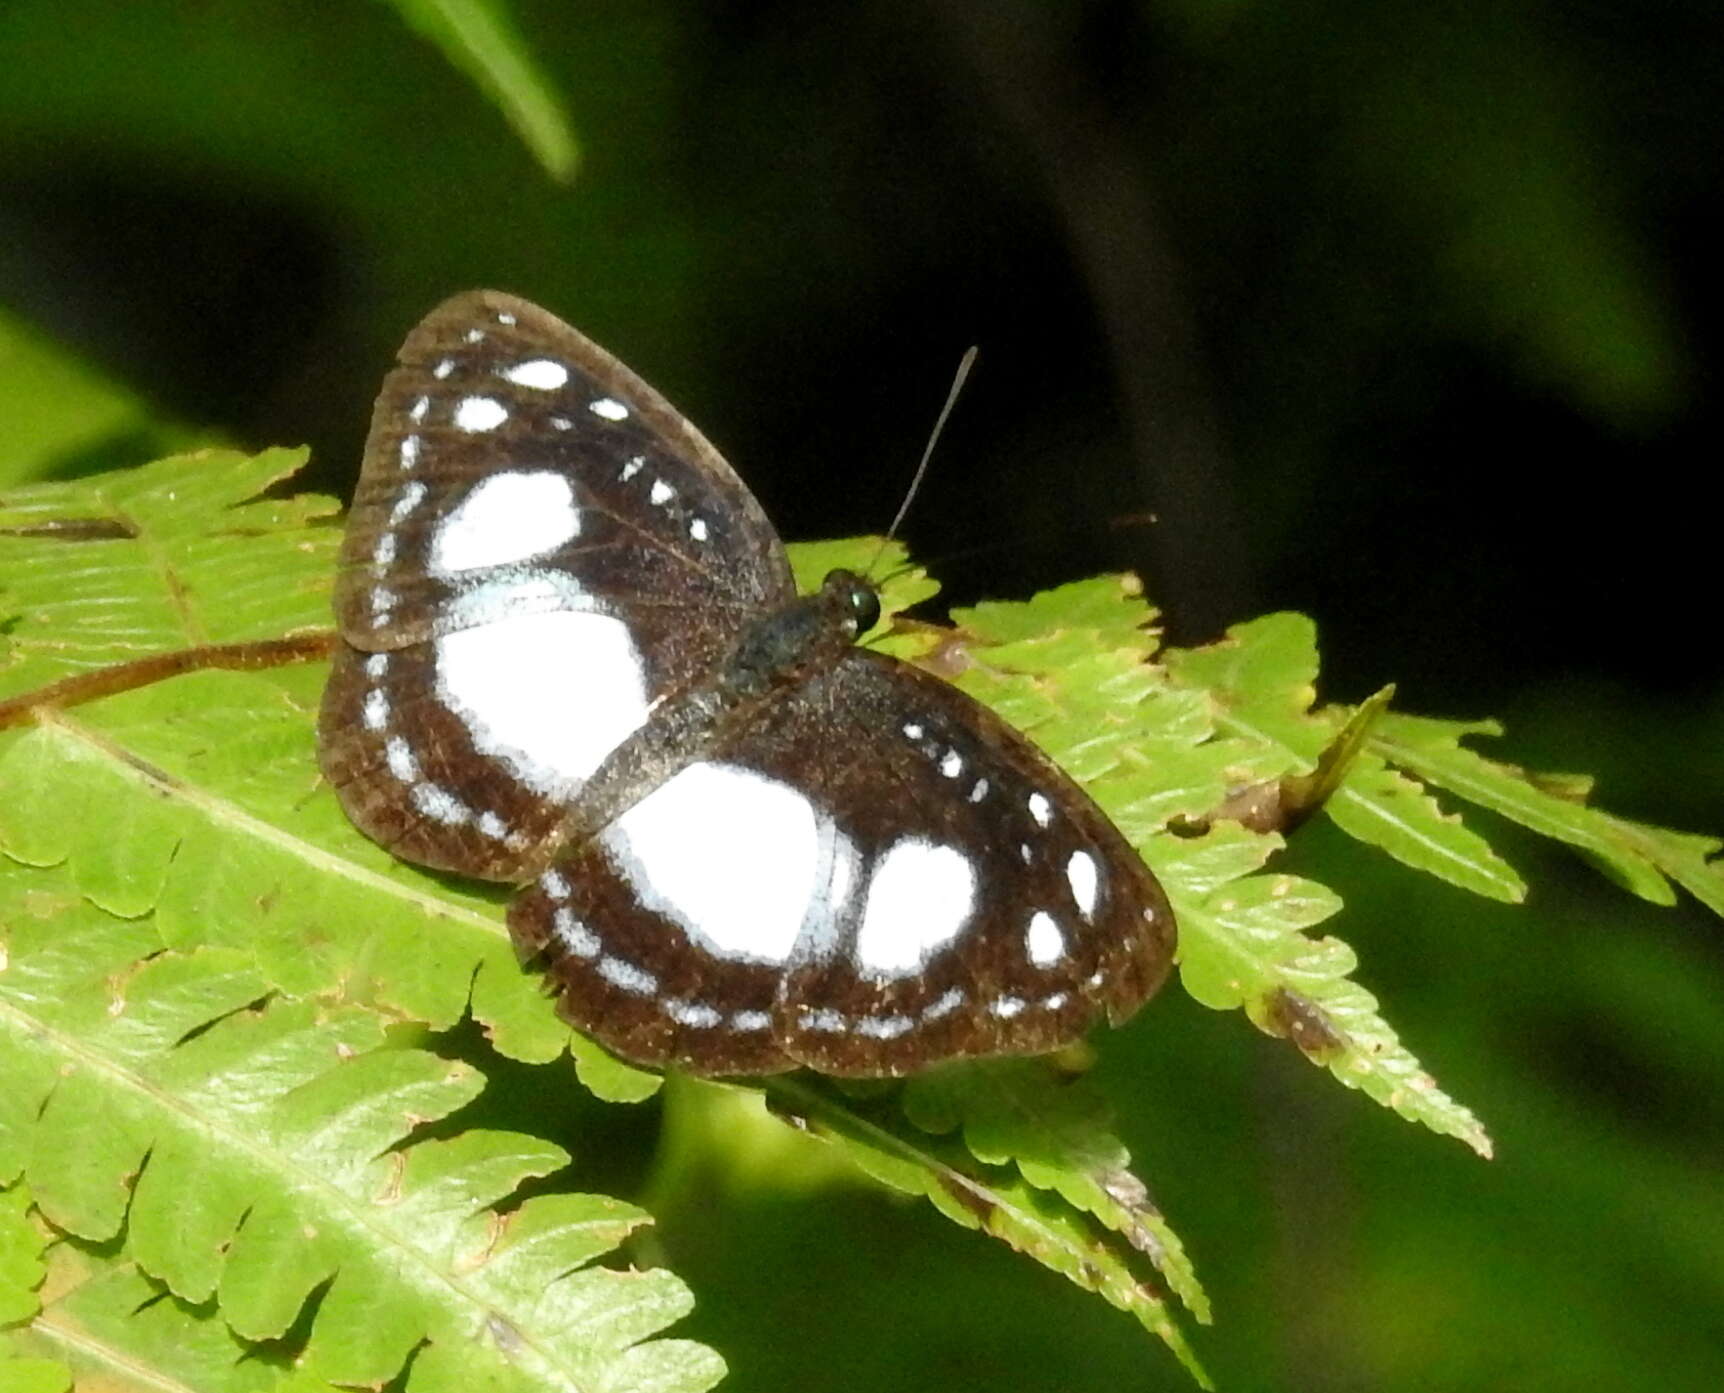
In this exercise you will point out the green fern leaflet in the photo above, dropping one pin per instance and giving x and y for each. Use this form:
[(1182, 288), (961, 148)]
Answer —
[(225, 1136)]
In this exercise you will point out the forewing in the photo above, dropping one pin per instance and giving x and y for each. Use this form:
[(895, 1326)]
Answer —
[(879, 875), (539, 547)]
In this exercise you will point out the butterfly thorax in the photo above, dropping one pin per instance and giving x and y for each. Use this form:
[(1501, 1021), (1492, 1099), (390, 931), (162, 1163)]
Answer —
[(776, 654), (782, 648)]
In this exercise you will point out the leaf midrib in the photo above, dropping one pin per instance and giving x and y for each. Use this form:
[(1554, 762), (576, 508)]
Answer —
[(1478, 871), (199, 1122), (223, 811)]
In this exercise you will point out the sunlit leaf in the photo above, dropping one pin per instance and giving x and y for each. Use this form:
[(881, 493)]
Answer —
[(480, 38), (259, 1152)]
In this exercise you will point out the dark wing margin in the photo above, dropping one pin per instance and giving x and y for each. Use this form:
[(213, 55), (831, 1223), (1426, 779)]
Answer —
[(488, 348), (539, 546)]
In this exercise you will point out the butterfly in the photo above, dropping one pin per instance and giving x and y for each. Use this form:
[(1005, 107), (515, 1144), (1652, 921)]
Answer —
[(572, 658)]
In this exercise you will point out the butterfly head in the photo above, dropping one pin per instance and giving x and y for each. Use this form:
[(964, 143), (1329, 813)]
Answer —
[(853, 599)]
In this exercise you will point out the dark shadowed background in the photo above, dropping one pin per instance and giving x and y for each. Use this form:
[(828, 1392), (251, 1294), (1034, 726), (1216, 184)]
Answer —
[(1402, 314)]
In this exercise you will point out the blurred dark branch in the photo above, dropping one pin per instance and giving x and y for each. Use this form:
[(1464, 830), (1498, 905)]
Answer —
[(1025, 57)]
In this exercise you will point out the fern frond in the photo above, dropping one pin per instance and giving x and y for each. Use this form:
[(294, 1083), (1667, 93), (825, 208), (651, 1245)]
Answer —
[(62, 415), (1635, 856), (481, 40), (996, 1198), (183, 551), (23, 1244), (260, 1152), (1381, 805), (109, 1326), (1057, 1130), (188, 817)]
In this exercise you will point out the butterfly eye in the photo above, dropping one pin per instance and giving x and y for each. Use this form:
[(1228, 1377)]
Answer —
[(850, 593), (865, 605)]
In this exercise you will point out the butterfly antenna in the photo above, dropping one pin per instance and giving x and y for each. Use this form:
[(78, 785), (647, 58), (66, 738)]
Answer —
[(967, 362)]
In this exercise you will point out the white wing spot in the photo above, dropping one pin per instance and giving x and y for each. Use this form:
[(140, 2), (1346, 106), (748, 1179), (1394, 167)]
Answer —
[(1005, 1007), (1026, 853), (480, 413), (377, 664), (383, 554), (409, 451), (884, 1027), (1044, 940), (919, 900), (376, 711), (609, 408), (507, 518), (503, 317), (576, 938), (416, 412), (628, 976), (1040, 809), (382, 600), (825, 1020), (492, 826), (562, 422), (475, 335), (912, 730), (1084, 879), (631, 467), (411, 497), (694, 1013), (750, 1020), (1054, 1002), (440, 805), (661, 492), (548, 694), (952, 764), (553, 884), (726, 853), (541, 374), (444, 368), (980, 791), (948, 1002), (698, 529), (845, 864)]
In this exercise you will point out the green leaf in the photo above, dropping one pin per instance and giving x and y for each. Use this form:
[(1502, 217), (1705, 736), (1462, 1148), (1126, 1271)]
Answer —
[(1057, 1131), (1691, 861), (256, 863), (21, 1247), (1243, 939), (1245, 943), (27, 1375), (479, 37), (1111, 607), (113, 1328), (61, 415), (259, 1151), (1636, 857), (1384, 807), (607, 1077), (180, 552), (997, 1199), (191, 811), (228, 841), (1263, 678)]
